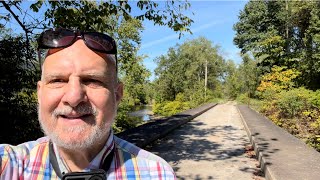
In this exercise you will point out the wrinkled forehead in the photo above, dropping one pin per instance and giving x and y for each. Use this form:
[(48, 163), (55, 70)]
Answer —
[(109, 58), (58, 59)]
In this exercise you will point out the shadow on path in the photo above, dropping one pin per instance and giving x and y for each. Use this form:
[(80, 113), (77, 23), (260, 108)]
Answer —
[(197, 141)]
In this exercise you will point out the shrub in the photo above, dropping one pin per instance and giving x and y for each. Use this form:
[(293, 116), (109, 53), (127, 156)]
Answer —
[(170, 108), (243, 98), (314, 141), (315, 99), (292, 103), (174, 107), (279, 79), (296, 110), (123, 120)]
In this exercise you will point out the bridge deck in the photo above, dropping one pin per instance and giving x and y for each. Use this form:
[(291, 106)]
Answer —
[(212, 146)]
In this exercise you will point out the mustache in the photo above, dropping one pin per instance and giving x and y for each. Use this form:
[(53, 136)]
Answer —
[(81, 109)]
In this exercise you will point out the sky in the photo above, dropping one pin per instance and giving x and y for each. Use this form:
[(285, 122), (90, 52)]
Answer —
[(212, 19)]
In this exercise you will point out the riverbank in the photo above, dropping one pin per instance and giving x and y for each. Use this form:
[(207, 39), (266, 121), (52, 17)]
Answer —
[(144, 112)]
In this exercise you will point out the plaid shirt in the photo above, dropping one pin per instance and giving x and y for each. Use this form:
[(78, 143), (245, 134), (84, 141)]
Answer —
[(30, 160)]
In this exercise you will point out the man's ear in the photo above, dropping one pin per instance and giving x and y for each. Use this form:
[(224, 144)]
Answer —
[(119, 92), (39, 84)]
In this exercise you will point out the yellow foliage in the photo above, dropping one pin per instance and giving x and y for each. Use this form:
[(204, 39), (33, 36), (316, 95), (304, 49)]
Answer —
[(275, 118), (279, 79), (316, 124), (306, 113)]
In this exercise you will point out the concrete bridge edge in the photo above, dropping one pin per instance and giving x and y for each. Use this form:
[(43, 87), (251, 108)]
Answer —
[(147, 133), (260, 156), (280, 154)]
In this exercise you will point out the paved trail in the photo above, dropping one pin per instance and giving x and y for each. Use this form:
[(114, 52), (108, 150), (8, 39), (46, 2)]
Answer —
[(212, 146)]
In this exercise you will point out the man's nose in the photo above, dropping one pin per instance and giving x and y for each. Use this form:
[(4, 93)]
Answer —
[(75, 93)]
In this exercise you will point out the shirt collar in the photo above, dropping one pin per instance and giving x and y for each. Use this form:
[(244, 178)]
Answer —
[(96, 163)]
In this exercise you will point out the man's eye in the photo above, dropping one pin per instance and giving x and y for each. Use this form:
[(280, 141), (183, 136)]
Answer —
[(57, 81), (93, 82)]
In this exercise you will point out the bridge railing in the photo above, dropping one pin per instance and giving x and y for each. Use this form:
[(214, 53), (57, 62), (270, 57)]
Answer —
[(281, 155)]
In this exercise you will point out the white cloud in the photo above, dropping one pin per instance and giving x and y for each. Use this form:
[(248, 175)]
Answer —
[(205, 26), (175, 36), (159, 41)]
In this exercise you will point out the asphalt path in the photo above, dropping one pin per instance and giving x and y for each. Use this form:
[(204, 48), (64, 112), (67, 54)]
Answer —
[(212, 146)]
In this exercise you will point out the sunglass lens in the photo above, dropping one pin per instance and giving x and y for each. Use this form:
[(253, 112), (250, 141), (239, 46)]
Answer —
[(99, 42), (57, 38)]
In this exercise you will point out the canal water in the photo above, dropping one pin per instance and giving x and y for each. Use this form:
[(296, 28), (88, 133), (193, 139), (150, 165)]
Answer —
[(144, 112)]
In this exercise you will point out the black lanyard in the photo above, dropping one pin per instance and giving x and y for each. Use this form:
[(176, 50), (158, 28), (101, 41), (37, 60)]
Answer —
[(53, 160)]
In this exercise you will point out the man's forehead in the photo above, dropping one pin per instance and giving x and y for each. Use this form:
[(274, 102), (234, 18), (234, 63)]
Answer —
[(86, 63), (53, 73), (79, 50), (110, 58), (56, 70), (63, 68), (78, 58)]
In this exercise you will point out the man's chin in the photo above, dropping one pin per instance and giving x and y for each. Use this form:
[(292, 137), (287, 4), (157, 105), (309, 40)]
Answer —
[(76, 137), (72, 143), (78, 140)]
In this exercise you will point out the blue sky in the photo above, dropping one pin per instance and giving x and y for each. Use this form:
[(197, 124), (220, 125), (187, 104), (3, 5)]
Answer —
[(212, 19)]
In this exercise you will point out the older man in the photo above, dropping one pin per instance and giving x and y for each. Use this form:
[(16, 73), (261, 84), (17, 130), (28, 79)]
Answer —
[(78, 95)]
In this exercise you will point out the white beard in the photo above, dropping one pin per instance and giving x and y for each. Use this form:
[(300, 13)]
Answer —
[(97, 134)]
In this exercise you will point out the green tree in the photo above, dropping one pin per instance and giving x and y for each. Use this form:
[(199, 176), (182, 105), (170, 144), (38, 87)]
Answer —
[(311, 55), (192, 70), (17, 92), (92, 14), (112, 17), (232, 85), (241, 79), (282, 33)]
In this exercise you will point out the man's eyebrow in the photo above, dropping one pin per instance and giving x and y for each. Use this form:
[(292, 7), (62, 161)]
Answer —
[(96, 74), (52, 75), (89, 74)]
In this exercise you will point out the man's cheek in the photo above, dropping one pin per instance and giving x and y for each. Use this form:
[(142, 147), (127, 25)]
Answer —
[(52, 98)]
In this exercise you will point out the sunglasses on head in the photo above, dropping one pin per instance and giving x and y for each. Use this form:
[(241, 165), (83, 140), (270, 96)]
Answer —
[(61, 38)]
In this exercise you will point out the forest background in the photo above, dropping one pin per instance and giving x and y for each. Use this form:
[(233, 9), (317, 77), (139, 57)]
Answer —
[(278, 76)]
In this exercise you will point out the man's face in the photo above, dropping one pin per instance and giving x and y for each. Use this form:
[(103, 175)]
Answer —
[(78, 96)]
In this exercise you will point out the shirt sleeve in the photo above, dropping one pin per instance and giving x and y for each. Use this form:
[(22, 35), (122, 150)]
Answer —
[(11, 164)]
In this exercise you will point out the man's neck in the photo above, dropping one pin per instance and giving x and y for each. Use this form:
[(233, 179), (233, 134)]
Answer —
[(77, 160)]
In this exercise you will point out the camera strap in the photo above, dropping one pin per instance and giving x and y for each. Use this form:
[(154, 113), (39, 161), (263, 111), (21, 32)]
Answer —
[(53, 160)]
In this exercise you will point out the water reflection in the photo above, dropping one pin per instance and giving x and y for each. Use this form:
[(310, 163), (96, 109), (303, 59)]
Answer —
[(143, 112)]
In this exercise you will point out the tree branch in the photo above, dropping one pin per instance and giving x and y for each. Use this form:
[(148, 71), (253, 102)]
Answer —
[(25, 29), (17, 19)]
